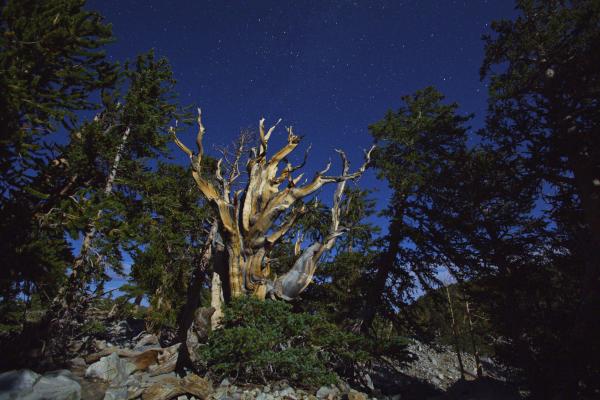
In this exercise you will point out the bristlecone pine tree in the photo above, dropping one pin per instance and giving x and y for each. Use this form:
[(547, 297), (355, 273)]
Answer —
[(252, 220)]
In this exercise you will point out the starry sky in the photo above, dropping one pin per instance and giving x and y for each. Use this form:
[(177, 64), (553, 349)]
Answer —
[(329, 68)]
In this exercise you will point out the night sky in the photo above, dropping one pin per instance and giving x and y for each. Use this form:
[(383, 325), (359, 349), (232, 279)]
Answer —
[(329, 68)]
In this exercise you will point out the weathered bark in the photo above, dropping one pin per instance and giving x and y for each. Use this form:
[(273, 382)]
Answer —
[(253, 220), (216, 300)]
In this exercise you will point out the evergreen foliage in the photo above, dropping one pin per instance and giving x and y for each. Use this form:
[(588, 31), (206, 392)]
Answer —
[(51, 60), (418, 145), (260, 341), (543, 113)]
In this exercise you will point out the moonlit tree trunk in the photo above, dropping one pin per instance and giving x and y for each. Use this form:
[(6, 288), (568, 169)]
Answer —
[(456, 335), (252, 220), (478, 367)]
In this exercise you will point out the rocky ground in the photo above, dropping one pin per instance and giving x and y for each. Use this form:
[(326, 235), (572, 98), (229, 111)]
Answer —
[(134, 365)]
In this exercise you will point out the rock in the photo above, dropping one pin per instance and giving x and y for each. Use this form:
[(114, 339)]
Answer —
[(225, 382), (13, 382), (99, 345), (147, 341), (264, 396), (343, 386), (27, 385), (22, 379), (356, 395), (77, 362), (135, 386), (110, 369), (116, 393), (75, 346), (328, 392), (59, 387), (288, 393), (368, 381)]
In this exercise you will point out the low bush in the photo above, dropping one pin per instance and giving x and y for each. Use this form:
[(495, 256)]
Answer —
[(260, 341)]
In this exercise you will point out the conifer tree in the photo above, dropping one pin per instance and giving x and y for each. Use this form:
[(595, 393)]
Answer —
[(116, 147), (51, 60), (171, 226), (544, 88), (416, 145)]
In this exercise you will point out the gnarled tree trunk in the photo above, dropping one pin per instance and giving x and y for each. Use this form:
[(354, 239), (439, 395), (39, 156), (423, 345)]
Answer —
[(252, 220)]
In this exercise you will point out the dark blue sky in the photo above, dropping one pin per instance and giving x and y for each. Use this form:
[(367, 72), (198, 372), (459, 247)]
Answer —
[(330, 68)]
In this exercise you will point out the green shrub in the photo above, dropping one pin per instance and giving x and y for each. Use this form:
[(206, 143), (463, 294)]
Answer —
[(94, 328), (260, 341)]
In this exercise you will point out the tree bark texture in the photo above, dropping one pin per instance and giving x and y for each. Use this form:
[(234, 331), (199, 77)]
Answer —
[(252, 220)]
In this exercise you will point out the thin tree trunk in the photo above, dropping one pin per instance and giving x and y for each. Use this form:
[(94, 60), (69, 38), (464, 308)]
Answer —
[(385, 263), (455, 332), (475, 348), (186, 316), (75, 280)]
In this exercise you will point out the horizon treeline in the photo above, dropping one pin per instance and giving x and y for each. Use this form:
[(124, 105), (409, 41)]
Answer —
[(511, 212)]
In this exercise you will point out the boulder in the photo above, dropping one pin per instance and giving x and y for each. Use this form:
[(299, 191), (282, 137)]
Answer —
[(77, 362), (27, 385), (328, 392), (110, 369), (288, 393), (146, 341), (20, 381)]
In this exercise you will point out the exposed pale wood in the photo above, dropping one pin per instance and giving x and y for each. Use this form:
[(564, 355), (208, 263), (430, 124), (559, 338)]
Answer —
[(255, 218), (455, 333), (171, 387), (478, 367), (216, 301)]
